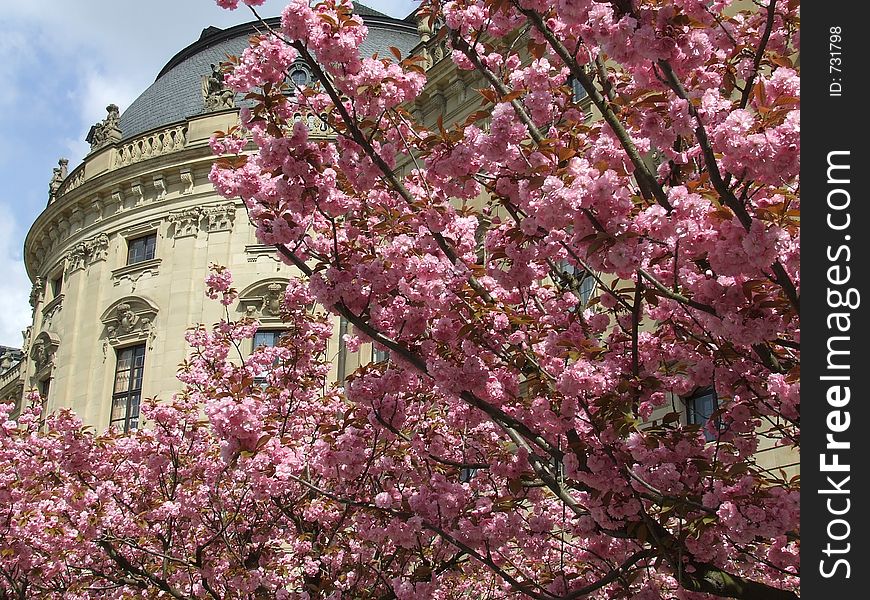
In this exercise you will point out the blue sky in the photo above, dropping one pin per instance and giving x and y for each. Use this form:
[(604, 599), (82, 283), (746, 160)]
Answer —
[(61, 63)]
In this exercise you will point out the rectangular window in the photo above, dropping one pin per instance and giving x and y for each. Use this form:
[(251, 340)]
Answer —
[(577, 90), (141, 248), (700, 408), (56, 285), (267, 337), (379, 355), (127, 393)]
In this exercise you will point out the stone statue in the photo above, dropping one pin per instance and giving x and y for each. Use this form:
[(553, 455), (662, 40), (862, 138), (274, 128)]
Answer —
[(36, 291), (58, 174), (214, 92), (107, 131)]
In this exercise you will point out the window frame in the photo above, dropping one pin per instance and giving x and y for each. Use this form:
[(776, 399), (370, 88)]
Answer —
[(696, 415), (133, 389), (261, 379), (149, 241)]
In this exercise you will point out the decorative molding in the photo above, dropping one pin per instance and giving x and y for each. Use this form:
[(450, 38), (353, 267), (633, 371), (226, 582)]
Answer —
[(140, 229), (258, 250), (97, 209), (150, 145), (42, 352), (187, 178), (316, 124), (133, 273), (159, 187), (74, 180), (138, 191), (50, 310), (128, 320), (220, 218), (262, 300), (118, 199), (184, 222)]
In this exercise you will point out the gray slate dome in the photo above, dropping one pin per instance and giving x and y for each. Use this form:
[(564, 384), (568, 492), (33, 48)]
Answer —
[(176, 94)]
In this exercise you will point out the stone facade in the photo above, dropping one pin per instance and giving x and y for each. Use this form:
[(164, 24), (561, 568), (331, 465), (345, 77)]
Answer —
[(94, 295)]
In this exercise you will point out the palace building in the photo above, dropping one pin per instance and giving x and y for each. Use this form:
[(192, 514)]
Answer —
[(119, 255)]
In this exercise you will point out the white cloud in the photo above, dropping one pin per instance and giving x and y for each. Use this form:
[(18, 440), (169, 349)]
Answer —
[(15, 313), (98, 90)]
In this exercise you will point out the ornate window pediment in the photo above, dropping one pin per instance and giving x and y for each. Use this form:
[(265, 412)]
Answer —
[(262, 300), (129, 320), (42, 351)]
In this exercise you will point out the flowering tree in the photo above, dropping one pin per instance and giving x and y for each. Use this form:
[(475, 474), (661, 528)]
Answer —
[(522, 439)]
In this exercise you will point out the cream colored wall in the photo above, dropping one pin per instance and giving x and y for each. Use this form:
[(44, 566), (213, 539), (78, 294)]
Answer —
[(105, 200)]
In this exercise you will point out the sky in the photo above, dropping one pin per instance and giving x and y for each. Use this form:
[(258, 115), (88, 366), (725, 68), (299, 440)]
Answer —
[(61, 63)]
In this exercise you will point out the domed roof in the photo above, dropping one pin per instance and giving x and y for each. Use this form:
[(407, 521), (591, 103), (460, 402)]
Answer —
[(176, 94)]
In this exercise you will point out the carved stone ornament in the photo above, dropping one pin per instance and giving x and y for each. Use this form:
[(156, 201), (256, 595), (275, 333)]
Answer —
[(58, 174), (130, 319), (138, 191), (107, 131), (36, 291), (97, 247), (42, 351), (220, 218), (184, 222), (159, 187), (215, 94), (76, 258), (263, 299), (188, 180)]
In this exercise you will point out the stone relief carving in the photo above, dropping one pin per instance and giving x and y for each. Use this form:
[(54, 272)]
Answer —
[(185, 222), (220, 218), (263, 300), (76, 258), (42, 350), (107, 131), (36, 291), (129, 319), (272, 299), (51, 309), (87, 253), (188, 181), (98, 248), (58, 174), (215, 94)]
